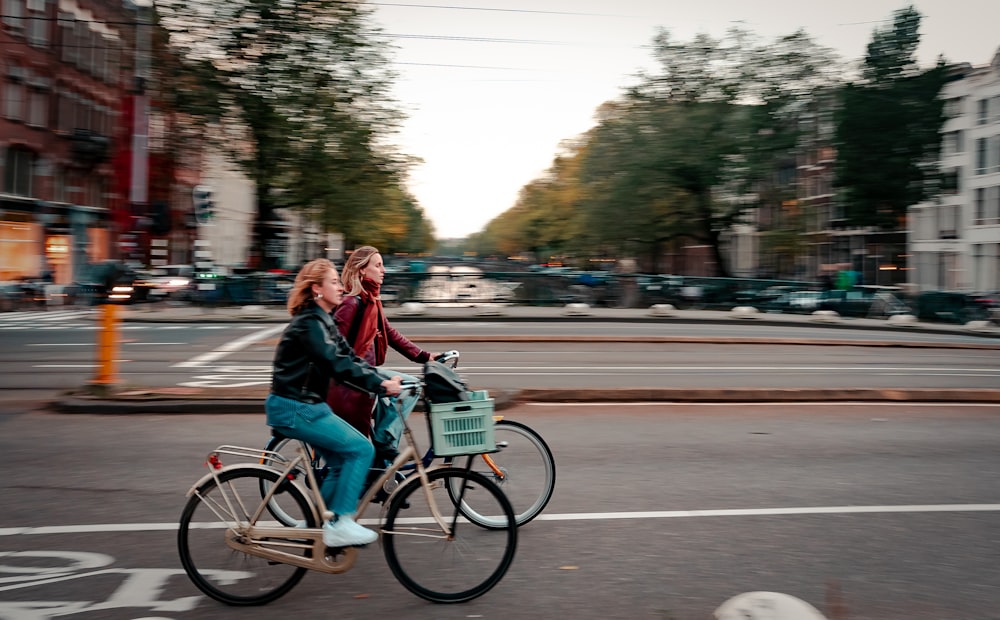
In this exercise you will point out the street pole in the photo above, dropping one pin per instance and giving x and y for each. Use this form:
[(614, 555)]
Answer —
[(107, 338)]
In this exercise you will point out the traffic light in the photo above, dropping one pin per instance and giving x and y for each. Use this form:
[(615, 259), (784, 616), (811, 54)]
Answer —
[(204, 207), (160, 216)]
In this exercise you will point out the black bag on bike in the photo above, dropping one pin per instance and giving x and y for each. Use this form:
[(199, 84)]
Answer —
[(442, 384)]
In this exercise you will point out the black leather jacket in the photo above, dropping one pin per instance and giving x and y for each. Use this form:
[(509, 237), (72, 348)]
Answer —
[(310, 353)]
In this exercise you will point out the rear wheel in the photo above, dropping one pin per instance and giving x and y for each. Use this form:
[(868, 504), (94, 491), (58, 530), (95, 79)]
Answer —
[(288, 448), (448, 568), (227, 575), (523, 468)]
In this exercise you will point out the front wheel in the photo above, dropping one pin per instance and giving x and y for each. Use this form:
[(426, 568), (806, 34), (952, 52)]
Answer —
[(442, 567), (227, 575), (523, 468)]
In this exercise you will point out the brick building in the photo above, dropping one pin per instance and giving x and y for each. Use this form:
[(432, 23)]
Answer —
[(66, 78)]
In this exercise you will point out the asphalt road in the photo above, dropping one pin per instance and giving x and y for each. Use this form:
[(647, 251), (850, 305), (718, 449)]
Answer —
[(866, 511), (49, 354)]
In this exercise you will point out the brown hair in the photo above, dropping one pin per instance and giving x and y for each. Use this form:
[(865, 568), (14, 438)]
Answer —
[(311, 273), (351, 275)]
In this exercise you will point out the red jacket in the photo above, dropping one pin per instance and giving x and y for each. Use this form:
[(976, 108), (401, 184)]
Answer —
[(344, 317), (353, 405)]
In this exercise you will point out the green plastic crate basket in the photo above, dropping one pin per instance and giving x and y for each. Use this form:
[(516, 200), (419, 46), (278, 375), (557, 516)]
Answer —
[(465, 427)]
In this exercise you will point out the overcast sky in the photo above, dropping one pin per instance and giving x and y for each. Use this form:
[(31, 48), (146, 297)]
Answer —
[(491, 87)]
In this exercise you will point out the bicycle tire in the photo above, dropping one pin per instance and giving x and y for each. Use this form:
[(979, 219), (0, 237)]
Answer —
[(277, 444), (439, 568), (527, 473), (224, 574)]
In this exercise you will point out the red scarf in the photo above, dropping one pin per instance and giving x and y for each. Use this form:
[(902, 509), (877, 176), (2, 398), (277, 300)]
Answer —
[(371, 330)]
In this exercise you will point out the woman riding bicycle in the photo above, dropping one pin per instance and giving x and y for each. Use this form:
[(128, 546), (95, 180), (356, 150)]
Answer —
[(311, 353), (362, 321)]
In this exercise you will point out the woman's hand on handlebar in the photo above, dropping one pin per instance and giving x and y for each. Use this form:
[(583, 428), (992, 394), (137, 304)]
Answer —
[(446, 356), (393, 386)]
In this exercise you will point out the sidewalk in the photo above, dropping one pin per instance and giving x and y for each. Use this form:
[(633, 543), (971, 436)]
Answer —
[(135, 399)]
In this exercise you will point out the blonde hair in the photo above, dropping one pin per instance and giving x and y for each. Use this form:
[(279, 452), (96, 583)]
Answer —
[(351, 276), (311, 273)]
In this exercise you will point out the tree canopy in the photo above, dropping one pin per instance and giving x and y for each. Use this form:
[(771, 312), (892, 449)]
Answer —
[(299, 93)]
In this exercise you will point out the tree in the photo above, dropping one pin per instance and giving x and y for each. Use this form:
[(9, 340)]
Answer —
[(300, 89), (888, 128), (698, 140)]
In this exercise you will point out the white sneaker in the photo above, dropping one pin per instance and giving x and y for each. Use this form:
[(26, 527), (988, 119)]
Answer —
[(345, 532)]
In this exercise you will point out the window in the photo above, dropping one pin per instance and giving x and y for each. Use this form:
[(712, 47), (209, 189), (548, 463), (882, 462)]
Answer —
[(38, 25), (993, 160), (953, 142), (980, 155), (59, 184), (18, 171), (953, 107), (950, 181), (983, 115), (13, 14), (980, 203), (991, 208), (67, 37), (948, 222), (995, 104), (14, 93), (38, 108), (64, 121)]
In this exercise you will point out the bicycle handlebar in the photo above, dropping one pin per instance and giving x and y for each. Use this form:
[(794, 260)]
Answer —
[(447, 356)]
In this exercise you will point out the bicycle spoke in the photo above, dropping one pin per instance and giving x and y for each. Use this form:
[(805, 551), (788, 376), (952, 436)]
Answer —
[(221, 572), (439, 567)]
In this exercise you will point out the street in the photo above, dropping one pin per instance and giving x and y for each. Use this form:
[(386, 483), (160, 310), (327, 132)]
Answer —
[(54, 351), (866, 511)]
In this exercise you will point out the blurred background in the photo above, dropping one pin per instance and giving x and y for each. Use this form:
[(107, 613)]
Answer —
[(184, 152)]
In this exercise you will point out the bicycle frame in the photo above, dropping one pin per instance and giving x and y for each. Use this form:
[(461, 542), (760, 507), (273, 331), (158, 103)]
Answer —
[(269, 541)]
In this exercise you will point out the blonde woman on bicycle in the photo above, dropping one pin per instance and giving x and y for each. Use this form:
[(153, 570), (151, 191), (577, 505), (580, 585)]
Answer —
[(310, 353), (361, 319)]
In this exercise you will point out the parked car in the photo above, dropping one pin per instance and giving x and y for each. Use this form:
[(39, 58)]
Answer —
[(864, 301), (798, 301), (956, 307)]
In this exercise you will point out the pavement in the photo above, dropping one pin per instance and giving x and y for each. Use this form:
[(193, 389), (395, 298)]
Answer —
[(981, 335)]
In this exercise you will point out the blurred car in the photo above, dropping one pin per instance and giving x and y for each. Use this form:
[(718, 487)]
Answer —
[(173, 282), (11, 296), (956, 307), (864, 301), (797, 301)]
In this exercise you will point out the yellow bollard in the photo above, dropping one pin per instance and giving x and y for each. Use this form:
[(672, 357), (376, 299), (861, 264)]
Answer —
[(107, 346)]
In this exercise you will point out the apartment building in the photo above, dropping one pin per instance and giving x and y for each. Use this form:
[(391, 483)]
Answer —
[(65, 75), (955, 239)]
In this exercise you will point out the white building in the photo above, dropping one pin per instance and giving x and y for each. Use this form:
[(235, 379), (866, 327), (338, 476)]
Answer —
[(954, 240)]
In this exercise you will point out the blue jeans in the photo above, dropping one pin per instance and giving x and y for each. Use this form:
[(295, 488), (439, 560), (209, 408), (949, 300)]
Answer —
[(347, 453), (387, 425)]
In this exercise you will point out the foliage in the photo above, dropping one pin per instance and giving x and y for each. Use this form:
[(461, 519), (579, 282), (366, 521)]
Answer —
[(300, 90), (888, 129), (680, 157)]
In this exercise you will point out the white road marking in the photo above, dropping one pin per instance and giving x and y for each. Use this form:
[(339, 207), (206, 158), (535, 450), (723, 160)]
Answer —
[(230, 347), (48, 530)]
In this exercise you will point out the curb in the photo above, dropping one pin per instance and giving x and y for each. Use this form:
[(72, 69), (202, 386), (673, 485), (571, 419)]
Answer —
[(167, 404)]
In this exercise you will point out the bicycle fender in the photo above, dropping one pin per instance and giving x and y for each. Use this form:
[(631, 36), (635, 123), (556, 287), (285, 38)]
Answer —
[(212, 474)]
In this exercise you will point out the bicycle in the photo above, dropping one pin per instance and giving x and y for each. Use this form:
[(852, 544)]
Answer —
[(523, 465), (430, 549)]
